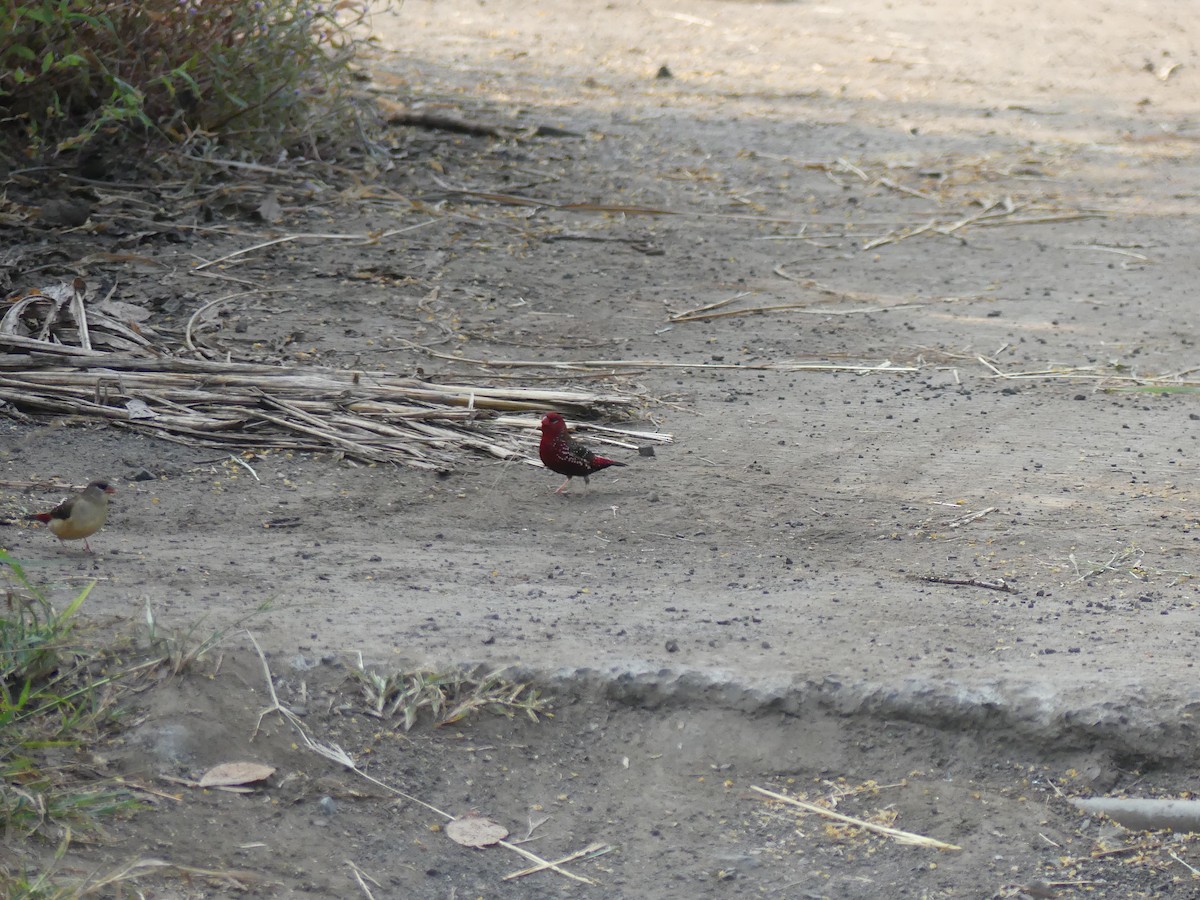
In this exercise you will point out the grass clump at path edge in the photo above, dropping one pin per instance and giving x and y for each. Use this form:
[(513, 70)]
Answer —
[(52, 703)]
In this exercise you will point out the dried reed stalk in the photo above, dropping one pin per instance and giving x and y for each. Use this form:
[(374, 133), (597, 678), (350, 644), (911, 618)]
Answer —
[(58, 354), (904, 837), (369, 417)]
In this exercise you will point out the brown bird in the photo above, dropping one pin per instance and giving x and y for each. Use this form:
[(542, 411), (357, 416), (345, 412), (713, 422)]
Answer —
[(80, 516), (562, 454)]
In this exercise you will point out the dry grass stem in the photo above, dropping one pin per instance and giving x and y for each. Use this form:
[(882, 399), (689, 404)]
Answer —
[(364, 238), (692, 313), (195, 318), (589, 852), (969, 517), (620, 209), (1137, 257), (886, 301), (896, 237), (1121, 851), (905, 837), (544, 864), (896, 186), (108, 883), (1088, 373), (1186, 865), (1002, 212), (802, 308), (362, 878), (623, 365)]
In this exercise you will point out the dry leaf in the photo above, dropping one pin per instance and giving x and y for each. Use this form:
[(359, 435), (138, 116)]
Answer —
[(475, 831), (140, 409), (235, 773)]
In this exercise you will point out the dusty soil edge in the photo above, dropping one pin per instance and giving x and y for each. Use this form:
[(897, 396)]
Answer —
[(1034, 716)]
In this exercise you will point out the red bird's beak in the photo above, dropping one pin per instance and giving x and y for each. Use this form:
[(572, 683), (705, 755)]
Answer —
[(110, 490)]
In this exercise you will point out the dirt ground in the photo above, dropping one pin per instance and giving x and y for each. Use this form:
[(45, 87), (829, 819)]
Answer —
[(928, 526)]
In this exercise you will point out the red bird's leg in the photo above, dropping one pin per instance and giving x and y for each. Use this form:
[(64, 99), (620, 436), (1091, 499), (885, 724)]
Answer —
[(562, 487)]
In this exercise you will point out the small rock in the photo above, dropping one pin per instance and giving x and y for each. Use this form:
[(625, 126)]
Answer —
[(170, 742), (733, 861), (672, 646), (64, 213)]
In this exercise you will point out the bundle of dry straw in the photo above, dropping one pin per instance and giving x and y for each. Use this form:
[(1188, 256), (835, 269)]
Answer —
[(61, 355)]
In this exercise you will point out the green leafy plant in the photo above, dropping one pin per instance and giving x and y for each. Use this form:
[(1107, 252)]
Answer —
[(256, 75)]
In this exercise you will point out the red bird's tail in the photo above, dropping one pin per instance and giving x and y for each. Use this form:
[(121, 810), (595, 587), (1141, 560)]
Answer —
[(41, 517), (602, 462)]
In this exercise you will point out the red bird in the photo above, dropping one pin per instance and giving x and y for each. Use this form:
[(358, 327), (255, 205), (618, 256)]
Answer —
[(565, 456)]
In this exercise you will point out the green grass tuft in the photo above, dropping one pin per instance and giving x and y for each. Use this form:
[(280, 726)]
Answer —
[(447, 697), (51, 703), (182, 650)]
